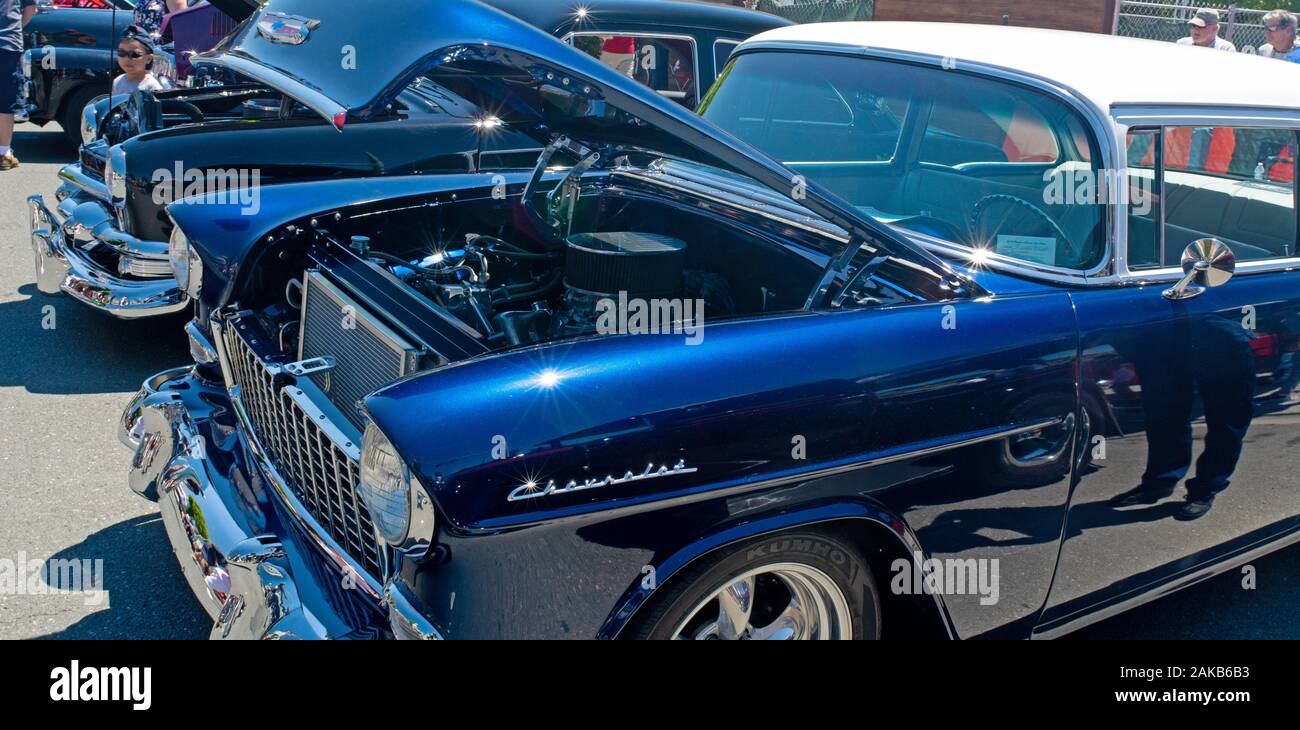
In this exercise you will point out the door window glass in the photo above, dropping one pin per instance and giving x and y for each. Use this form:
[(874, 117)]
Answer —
[(1233, 184)]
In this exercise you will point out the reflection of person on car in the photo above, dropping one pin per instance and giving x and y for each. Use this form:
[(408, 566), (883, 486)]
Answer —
[(1210, 355)]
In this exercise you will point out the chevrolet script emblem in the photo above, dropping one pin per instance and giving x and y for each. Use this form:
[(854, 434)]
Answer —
[(535, 490), (288, 29)]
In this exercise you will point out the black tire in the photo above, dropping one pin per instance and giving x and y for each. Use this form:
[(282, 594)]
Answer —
[(825, 552), (70, 118)]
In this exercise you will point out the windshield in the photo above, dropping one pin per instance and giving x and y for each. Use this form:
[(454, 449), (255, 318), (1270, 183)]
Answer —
[(978, 162)]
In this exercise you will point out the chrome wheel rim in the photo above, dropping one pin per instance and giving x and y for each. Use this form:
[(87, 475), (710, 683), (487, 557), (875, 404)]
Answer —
[(778, 602)]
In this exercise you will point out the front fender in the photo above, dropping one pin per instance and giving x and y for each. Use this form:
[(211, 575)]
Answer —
[(649, 584)]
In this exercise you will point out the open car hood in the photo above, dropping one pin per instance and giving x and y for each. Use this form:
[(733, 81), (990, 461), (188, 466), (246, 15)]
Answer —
[(517, 74)]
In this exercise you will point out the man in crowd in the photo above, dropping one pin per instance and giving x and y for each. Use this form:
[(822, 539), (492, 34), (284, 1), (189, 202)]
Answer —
[(14, 14), (1205, 32), (1279, 32)]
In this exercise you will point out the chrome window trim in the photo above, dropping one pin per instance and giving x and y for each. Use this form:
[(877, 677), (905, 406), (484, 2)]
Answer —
[(1099, 121), (1137, 116), (695, 52), (717, 67)]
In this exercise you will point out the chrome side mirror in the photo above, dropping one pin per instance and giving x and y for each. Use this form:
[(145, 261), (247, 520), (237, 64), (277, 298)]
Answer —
[(1207, 263)]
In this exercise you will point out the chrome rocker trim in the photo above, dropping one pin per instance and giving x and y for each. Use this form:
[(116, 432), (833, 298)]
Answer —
[(244, 578), (59, 241)]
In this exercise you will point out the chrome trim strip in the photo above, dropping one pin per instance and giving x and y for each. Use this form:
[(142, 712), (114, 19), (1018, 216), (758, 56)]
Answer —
[(327, 546), (332, 432)]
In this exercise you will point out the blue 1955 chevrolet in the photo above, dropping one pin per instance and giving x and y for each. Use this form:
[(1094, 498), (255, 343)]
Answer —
[(933, 349)]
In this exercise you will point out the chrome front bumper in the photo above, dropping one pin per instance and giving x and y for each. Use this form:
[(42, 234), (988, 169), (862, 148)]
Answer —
[(254, 573), (62, 241)]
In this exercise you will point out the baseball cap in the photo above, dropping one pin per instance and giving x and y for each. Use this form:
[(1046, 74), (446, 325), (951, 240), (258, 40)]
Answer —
[(1204, 17)]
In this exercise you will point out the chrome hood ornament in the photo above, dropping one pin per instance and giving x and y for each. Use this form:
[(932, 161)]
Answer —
[(292, 30), (533, 490)]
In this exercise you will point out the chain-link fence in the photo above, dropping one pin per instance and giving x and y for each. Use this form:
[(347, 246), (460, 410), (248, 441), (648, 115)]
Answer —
[(812, 11), (1167, 21)]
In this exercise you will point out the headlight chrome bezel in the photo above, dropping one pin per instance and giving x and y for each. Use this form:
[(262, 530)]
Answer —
[(115, 174), (90, 122), (186, 265), (400, 507)]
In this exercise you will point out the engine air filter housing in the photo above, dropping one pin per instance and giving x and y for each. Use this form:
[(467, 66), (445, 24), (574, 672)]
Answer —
[(644, 265)]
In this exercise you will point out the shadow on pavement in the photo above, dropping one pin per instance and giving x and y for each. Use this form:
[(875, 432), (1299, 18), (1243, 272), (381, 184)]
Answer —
[(42, 146), (148, 597), (86, 351)]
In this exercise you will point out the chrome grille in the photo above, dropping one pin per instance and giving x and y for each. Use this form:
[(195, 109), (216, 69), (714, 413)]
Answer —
[(321, 473), (367, 353)]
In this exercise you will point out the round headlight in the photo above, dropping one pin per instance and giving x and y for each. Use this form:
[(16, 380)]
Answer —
[(186, 265), (385, 486)]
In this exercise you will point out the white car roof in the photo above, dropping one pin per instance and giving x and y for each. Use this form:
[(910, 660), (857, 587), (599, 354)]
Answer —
[(1105, 69)]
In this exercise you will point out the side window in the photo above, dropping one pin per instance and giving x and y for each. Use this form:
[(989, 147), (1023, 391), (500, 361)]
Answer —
[(666, 64), (722, 51), (1235, 184)]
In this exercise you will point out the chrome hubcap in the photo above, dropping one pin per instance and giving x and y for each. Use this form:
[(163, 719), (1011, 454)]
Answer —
[(780, 602)]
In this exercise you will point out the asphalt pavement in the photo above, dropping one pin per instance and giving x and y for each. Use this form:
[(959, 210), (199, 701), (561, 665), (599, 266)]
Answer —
[(66, 373)]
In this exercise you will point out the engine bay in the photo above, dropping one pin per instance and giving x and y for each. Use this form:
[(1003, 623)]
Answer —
[(492, 268)]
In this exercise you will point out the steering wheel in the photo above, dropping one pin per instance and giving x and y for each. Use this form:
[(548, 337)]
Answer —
[(988, 201)]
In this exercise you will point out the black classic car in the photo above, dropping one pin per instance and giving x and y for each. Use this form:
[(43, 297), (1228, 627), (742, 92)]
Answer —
[(142, 155), (69, 59), (490, 404)]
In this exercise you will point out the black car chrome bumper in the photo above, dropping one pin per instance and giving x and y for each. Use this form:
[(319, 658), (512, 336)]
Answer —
[(63, 241), (242, 551)]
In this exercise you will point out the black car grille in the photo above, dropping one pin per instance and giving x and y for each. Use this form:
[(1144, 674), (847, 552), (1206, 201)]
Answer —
[(322, 474)]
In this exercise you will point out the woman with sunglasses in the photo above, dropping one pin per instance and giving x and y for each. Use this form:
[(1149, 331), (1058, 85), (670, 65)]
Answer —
[(134, 56)]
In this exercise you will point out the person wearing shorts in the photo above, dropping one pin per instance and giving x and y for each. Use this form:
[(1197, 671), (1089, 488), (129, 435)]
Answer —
[(14, 14)]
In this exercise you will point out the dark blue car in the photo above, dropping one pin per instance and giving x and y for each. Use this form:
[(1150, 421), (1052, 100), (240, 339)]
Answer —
[(915, 377)]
